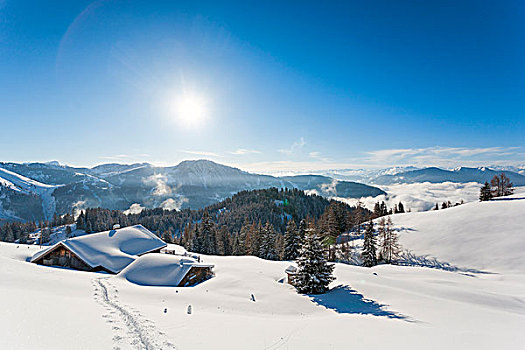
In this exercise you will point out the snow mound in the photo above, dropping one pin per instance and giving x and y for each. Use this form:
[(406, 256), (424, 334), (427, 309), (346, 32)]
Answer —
[(158, 270), (112, 250)]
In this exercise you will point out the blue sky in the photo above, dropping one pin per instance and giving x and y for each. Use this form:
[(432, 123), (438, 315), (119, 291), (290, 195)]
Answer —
[(282, 86)]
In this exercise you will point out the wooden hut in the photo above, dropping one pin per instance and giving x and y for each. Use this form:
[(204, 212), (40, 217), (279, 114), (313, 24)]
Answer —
[(109, 251)]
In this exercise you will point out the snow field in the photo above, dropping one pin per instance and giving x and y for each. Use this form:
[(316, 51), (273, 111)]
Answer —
[(399, 307)]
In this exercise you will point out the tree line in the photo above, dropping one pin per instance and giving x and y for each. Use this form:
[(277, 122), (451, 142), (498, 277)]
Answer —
[(499, 186)]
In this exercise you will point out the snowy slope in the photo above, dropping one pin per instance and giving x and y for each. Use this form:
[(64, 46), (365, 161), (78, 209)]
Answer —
[(24, 184), (394, 307), (480, 235)]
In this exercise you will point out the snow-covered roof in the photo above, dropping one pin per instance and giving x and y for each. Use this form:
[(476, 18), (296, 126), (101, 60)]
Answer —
[(291, 269), (113, 250), (159, 269)]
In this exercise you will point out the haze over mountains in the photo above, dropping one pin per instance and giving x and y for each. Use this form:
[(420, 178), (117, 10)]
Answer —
[(35, 191), (410, 174), (32, 191)]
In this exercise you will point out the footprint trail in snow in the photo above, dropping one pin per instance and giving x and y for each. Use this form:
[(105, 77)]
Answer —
[(131, 329)]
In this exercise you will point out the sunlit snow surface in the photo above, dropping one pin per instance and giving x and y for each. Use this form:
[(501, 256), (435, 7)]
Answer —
[(394, 307)]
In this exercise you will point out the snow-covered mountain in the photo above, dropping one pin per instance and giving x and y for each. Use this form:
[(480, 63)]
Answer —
[(437, 175), (18, 194), (52, 187)]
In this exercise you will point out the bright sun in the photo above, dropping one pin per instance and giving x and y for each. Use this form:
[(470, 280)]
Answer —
[(191, 110)]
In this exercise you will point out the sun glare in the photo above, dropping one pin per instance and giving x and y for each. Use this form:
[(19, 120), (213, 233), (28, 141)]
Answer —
[(191, 110)]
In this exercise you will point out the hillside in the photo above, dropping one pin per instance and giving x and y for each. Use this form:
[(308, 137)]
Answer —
[(190, 184), (412, 307), (480, 235)]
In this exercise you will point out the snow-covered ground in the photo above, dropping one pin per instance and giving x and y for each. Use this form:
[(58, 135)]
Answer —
[(394, 307)]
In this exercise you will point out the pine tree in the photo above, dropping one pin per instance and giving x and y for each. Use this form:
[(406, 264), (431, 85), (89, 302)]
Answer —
[(291, 242), (303, 225), (330, 231), (267, 247), (377, 210), (9, 236), (485, 193), (279, 246), (167, 237), (196, 244), (369, 247), (240, 248), (314, 274), (255, 239), (68, 231), (209, 235)]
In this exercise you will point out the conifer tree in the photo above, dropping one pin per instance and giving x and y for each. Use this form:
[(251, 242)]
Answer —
[(255, 239), (291, 242), (279, 246), (303, 225), (240, 248), (196, 242), (485, 192), (267, 247), (369, 247), (68, 231), (9, 235), (209, 235), (314, 273)]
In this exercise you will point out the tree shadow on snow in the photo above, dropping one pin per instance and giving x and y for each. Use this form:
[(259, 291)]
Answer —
[(344, 300)]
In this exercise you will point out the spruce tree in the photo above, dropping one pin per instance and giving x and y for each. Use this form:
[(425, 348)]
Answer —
[(267, 248), (369, 247), (314, 273), (240, 248), (303, 225), (485, 192), (68, 231), (291, 242), (9, 235)]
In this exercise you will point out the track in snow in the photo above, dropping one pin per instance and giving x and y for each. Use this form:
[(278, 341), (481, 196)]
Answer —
[(129, 326)]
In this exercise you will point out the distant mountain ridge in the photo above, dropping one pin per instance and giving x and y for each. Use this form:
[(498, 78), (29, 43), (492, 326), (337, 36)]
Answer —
[(437, 175), (52, 188)]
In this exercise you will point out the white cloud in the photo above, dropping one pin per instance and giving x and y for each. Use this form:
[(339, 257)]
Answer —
[(126, 157), (243, 151), (201, 153), (296, 146), (160, 181), (135, 208), (174, 203), (443, 156), (422, 196)]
